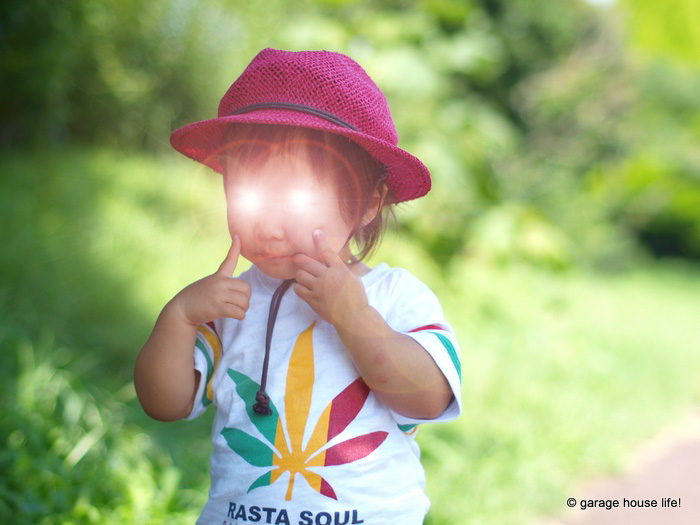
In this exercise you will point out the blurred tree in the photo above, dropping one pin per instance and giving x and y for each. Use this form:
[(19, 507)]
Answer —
[(655, 188), (457, 74), (669, 29), (539, 105), (531, 103), (119, 72)]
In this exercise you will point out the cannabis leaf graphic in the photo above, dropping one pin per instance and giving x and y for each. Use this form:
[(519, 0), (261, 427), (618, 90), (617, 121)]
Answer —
[(294, 457)]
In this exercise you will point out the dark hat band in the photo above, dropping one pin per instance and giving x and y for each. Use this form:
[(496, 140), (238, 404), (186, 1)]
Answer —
[(296, 107)]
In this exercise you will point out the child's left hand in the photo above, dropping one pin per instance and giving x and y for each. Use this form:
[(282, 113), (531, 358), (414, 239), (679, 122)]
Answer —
[(327, 285)]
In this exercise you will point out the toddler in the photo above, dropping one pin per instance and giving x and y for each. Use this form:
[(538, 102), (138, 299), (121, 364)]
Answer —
[(319, 367)]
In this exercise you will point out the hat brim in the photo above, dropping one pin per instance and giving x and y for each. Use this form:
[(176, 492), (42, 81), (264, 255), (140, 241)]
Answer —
[(408, 178)]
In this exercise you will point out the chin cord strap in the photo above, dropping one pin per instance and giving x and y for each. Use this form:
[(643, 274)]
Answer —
[(262, 405)]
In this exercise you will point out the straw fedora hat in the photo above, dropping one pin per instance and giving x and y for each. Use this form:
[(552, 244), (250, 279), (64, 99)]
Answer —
[(320, 90)]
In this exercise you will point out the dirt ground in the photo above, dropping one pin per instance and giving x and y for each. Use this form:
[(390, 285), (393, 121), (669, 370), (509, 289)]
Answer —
[(666, 474)]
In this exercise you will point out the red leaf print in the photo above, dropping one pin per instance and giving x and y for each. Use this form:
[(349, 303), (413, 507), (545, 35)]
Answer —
[(327, 490), (346, 406), (354, 449)]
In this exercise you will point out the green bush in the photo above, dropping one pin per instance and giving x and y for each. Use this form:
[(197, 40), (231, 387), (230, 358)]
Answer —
[(69, 456)]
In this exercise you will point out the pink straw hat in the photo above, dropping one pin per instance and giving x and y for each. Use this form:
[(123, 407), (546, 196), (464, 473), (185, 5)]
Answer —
[(320, 90)]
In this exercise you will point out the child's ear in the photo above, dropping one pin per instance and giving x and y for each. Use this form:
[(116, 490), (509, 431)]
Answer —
[(375, 205)]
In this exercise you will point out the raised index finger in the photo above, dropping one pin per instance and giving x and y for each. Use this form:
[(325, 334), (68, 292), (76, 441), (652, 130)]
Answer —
[(308, 264), (327, 254), (231, 261)]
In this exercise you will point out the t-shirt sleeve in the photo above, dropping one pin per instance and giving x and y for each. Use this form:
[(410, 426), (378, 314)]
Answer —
[(416, 312), (207, 355)]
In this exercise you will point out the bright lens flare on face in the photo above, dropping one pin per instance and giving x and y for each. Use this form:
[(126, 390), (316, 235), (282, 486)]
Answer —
[(252, 200), (249, 199), (299, 199)]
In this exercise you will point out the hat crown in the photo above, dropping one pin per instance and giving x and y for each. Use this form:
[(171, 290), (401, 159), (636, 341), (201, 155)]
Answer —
[(323, 80)]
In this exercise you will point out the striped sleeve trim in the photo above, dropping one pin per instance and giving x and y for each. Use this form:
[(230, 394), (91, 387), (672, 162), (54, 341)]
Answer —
[(440, 342), (409, 430), (209, 344), (444, 336)]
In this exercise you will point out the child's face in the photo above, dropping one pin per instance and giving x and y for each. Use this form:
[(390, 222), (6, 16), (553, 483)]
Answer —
[(275, 211)]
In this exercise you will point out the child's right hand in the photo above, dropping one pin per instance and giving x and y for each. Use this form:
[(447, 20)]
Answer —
[(215, 296)]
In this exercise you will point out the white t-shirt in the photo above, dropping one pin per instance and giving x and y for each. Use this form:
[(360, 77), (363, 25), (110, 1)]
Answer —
[(330, 453)]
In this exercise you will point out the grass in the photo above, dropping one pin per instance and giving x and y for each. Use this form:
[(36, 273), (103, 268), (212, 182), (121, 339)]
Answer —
[(564, 373)]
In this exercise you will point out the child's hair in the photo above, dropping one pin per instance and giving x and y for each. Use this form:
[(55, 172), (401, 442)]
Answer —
[(335, 159)]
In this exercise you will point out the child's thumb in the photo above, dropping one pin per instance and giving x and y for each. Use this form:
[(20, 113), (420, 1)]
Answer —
[(231, 261)]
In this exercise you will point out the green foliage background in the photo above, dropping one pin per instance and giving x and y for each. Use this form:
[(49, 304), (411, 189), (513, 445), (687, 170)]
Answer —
[(562, 233)]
